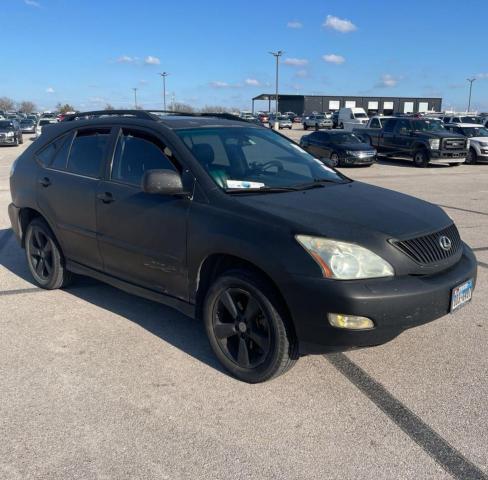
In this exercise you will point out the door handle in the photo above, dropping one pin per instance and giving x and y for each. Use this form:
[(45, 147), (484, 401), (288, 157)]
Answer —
[(45, 182), (105, 197)]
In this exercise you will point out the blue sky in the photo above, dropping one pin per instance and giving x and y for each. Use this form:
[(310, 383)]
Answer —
[(95, 51)]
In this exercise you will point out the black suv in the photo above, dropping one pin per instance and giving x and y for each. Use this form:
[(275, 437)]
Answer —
[(10, 132), (225, 220)]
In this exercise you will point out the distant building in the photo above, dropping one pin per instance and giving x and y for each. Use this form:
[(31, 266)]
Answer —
[(306, 104)]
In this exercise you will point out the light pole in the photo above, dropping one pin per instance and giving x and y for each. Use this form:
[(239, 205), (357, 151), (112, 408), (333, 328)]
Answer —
[(470, 80), (164, 75), (277, 55), (135, 97)]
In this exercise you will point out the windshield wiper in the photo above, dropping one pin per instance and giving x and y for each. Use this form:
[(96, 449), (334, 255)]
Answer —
[(316, 183)]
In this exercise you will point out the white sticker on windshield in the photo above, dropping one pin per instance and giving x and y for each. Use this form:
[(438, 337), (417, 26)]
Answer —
[(244, 184)]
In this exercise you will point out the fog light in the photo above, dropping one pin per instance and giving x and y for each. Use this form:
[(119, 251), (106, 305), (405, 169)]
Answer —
[(351, 322)]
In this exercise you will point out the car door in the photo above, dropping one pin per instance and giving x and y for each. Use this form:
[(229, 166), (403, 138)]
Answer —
[(322, 145), (386, 141), (403, 137), (142, 237), (66, 190)]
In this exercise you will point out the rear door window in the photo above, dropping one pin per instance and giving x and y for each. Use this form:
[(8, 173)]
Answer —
[(55, 155), (88, 151)]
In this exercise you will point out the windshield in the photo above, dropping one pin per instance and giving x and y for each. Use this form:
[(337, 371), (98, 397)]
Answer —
[(4, 124), (360, 115), (427, 125), (243, 158), (283, 118), (475, 131), (319, 117), (470, 120), (26, 122), (345, 138)]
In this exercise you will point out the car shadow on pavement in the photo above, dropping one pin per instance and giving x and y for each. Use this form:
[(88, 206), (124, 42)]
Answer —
[(398, 162), (169, 325)]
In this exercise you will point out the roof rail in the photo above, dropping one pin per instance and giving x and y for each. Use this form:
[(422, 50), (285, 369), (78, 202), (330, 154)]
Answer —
[(142, 114), (148, 114)]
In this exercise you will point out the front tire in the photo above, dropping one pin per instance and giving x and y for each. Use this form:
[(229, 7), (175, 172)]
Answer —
[(44, 256), (247, 327), (421, 158), (472, 157)]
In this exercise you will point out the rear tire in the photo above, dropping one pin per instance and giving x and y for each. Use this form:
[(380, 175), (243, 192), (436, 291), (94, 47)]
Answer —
[(421, 158), (247, 327), (21, 141), (305, 127), (44, 257)]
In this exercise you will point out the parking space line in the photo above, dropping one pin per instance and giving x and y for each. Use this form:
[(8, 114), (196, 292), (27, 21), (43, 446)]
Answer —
[(464, 210), (479, 249), (430, 441), (5, 238), (20, 290), (483, 264)]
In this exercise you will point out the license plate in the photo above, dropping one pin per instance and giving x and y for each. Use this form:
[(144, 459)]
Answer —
[(461, 295)]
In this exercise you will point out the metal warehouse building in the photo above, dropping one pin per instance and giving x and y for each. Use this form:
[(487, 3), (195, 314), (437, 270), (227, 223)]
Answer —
[(306, 104)]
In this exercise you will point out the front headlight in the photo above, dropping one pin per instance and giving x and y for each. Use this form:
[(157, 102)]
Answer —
[(434, 143), (10, 134), (468, 143), (483, 144), (344, 261)]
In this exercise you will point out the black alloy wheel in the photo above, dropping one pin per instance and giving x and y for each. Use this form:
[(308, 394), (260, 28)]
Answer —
[(44, 256), (242, 328), (247, 327)]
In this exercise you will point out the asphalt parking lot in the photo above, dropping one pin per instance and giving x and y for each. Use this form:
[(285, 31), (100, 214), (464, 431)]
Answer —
[(98, 384)]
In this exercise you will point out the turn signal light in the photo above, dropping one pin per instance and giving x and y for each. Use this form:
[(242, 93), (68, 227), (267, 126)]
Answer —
[(350, 322)]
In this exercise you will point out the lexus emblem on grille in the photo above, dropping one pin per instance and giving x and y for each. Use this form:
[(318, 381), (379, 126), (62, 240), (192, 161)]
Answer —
[(445, 243)]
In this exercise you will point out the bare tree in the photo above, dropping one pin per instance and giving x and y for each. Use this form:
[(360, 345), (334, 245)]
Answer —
[(65, 108), (215, 109), (6, 103), (181, 107), (27, 106), (109, 106)]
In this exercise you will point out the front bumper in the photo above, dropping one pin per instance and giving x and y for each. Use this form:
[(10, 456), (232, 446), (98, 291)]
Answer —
[(351, 160), (448, 156), (394, 305), (7, 140)]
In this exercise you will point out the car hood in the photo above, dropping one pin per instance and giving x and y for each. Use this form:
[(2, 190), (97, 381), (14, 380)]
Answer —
[(356, 147), (438, 134), (479, 139), (347, 211)]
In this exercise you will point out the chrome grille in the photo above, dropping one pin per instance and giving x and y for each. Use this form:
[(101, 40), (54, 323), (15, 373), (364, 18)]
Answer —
[(454, 144), (427, 249)]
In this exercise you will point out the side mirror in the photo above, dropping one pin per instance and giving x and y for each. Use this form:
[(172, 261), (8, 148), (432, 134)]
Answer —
[(163, 182)]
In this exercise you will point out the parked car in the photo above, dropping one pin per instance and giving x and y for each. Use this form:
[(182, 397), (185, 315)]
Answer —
[(297, 119), (282, 120), (280, 255), (263, 118), (478, 140), (335, 119), (338, 148), (10, 132), (316, 121), (290, 115), (28, 126), (43, 121), (422, 140), (371, 128), (351, 117), (462, 119)]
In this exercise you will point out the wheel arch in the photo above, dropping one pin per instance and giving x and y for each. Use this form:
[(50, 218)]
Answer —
[(216, 264), (26, 215)]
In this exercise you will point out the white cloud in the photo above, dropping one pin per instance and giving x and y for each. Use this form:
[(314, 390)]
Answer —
[(301, 73), (294, 24), (219, 84), (49, 90), (252, 82), (333, 58), (142, 82), (296, 62), (126, 59), (482, 76), (32, 3), (388, 81), (150, 60), (340, 24)]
